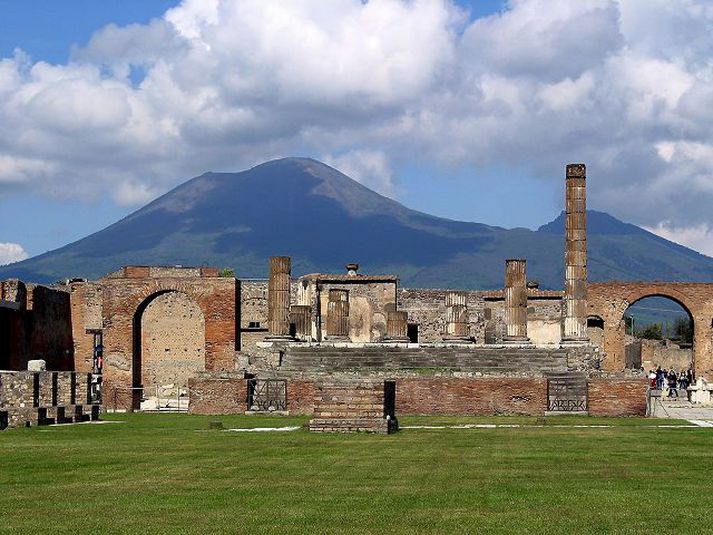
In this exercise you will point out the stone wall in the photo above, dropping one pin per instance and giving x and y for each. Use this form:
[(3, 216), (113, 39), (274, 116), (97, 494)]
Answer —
[(86, 310), (487, 396), (486, 315), (611, 396), (351, 406), (35, 322), (172, 341), (39, 398), (609, 301), (128, 293), (224, 393), (666, 354)]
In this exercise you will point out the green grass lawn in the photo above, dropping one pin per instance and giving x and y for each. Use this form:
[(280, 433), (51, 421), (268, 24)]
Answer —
[(172, 474)]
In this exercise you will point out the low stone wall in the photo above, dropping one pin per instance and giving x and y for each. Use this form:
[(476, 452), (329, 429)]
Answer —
[(609, 396), (485, 396), (222, 394), (38, 398), (444, 394)]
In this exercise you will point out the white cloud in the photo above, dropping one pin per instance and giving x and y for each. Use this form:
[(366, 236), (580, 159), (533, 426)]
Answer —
[(623, 85), (369, 167), (11, 252), (132, 193), (698, 238)]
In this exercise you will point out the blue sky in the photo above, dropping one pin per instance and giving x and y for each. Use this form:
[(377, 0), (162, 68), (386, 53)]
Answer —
[(466, 113)]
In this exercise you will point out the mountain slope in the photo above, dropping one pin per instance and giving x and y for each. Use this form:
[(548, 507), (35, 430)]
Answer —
[(323, 219)]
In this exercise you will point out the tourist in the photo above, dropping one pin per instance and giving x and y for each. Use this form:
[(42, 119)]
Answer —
[(659, 378), (672, 379), (652, 378)]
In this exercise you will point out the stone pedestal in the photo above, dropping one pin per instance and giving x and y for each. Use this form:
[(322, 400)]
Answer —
[(700, 393)]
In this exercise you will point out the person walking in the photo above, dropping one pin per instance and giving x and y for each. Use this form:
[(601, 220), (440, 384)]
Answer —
[(672, 390)]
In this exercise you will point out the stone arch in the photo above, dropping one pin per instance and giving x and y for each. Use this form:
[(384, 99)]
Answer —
[(149, 368), (610, 301)]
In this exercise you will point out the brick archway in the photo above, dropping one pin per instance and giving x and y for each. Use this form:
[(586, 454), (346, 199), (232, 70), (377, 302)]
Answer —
[(131, 289), (610, 301)]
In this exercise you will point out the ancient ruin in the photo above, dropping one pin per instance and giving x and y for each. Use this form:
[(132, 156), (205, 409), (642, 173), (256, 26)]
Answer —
[(350, 347)]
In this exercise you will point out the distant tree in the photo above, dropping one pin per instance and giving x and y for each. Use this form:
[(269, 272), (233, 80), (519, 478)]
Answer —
[(651, 332), (227, 272), (683, 330)]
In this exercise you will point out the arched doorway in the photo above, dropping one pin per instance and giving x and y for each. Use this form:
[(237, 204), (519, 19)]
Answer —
[(169, 347), (658, 331)]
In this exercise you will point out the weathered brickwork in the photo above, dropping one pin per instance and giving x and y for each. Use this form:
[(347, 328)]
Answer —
[(300, 396), (485, 396), (128, 293), (609, 301), (617, 397), (172, 342), (86, 310), (35, 323), (351, 406), (224, 394)]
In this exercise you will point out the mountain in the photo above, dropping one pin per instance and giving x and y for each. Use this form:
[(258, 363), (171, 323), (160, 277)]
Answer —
[(323, 219)]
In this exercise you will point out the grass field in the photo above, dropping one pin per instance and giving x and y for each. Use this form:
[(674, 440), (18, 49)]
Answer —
[(172, 474)]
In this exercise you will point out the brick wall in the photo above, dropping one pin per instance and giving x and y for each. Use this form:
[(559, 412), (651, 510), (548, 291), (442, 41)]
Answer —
[(211, 395), (300, 396), (129, 292), (484, 396), (617, 397), (350, 406)]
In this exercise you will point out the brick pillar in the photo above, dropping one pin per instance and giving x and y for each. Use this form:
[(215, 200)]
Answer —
[(396, 326), (278, 298), (456, 317), (300, 316), (575, 284), (515, 301), (338, 315)]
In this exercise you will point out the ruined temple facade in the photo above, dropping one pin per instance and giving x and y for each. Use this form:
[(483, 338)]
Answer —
[(232, 345)]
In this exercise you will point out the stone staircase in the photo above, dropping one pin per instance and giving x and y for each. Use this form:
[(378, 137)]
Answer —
[(476, 359)]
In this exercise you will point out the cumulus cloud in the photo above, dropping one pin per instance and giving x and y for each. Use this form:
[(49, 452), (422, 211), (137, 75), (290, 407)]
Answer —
[(370, 167), (699, 238), (622, 85), (11, 252)]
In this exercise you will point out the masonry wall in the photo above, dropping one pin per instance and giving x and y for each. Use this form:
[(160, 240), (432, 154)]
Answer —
[(172, 342), (128, 292), (486, 315), (38, 398), (218, 395), (471, 396), (610, 300), (35, 322), (86, 310), (617, 397)]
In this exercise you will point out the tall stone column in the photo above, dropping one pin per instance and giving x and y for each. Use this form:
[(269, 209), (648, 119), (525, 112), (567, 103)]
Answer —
[(575, 284), (396, 326), (301, 318), (456, 317), (338, 315), (278, 298), (515, 301)]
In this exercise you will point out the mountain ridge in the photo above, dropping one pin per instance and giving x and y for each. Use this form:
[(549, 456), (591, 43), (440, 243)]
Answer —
[(323, 219)]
